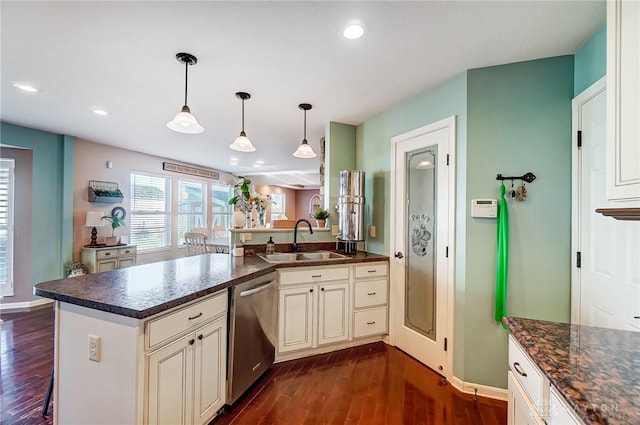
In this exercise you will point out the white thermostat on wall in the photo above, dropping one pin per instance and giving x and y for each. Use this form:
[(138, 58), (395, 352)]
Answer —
[(484, 208)]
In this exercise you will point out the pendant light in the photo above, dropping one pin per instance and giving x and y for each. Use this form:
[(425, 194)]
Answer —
[(242, 142), (184, 121), (304, 150)]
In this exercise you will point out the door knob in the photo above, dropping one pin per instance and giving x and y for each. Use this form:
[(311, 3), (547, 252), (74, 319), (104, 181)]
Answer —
[(398, 254)]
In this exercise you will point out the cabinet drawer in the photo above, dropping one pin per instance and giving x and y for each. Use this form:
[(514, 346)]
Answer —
[(371, 270), (527, 374), (290, 277), (106, 253), (127, 252), (370, 322), (166, 327), (370, 292)]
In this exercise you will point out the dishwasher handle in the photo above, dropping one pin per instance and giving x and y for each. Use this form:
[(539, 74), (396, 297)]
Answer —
[(256, 290)]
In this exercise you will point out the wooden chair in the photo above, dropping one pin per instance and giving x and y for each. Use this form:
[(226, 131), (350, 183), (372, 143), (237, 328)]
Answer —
[(220, 232), (202, 230), (196, 243)]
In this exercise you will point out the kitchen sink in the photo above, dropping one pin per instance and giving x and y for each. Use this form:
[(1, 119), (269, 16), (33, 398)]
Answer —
[(301, 256)]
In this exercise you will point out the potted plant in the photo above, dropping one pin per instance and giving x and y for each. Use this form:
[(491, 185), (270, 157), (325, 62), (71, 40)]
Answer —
[(116, 221), (321, 216), (240, 199)]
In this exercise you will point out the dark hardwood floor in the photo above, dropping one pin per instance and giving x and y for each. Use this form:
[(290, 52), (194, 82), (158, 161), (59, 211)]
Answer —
[(366, 385), (26, 361)]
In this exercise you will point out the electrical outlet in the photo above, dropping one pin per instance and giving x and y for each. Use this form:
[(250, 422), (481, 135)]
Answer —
[(95, 348), (372, 231), (246, 236), (334, 229)]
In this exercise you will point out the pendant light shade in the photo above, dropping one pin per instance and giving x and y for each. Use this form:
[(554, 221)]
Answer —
[(304, 150), (184, 121), (242, 142)]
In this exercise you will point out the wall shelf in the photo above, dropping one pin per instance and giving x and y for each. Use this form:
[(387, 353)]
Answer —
[(632, 214), (104, 192)]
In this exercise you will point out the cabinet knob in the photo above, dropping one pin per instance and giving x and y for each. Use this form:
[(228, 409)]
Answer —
[(200, 337), (311, 290), (322, 289), (192, 341), (398, 255)]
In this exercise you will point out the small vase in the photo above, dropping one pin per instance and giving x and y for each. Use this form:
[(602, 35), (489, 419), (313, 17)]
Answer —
[(248, 222), (238, 220), (262, 218), (321, 223)]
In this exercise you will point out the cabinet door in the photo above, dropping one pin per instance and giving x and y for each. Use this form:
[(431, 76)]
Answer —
[(333, 313), (210, 370), (170, 378), (520, 412), (295, 318), (106, 265), (126, 262)]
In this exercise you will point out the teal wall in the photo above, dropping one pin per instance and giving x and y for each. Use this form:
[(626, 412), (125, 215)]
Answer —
[(52, 228), (340, 154), (510, 119), (518, 120), (590, 61)]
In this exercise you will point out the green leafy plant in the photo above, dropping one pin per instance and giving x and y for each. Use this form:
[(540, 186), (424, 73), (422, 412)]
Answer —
[(115, 221), (242, 194), (321, 214)]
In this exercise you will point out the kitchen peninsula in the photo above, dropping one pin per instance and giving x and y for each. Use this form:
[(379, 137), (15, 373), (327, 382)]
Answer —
[(572, 374), (118, 332)]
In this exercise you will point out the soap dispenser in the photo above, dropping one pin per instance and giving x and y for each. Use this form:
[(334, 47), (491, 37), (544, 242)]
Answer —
[(271, 246)]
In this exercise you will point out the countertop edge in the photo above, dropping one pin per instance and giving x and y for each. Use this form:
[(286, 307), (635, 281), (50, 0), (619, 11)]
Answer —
[(143, 314)]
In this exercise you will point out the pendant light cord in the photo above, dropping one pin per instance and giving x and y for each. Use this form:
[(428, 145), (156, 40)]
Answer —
[(186, 79), (243, 115), (305, 124)]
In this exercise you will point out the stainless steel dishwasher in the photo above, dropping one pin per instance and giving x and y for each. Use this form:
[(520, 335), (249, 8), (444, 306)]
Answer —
[(252, 333)]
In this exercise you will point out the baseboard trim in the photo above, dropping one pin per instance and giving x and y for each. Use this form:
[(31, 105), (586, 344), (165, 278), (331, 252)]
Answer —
[(25, 305), (482, 390)]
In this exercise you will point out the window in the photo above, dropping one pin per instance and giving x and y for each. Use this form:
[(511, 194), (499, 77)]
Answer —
[(191, 207), (7, 178), (220, 209), (278, 206), (150, 211)]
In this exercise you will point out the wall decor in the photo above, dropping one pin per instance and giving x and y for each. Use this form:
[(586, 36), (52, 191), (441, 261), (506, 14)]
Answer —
[(192, 171)]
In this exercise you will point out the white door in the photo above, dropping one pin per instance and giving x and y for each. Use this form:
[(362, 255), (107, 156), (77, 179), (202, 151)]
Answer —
[(606, 285), (210, 370), (333, 313), (422, 243), (295, 318), (170, 383)]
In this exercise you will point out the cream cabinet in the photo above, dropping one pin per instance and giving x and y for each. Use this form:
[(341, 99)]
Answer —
[(528, 389), (108, 258), (370, 299), (559, 412), (331, 307), (313, 307), (186, 363), (623, 101)]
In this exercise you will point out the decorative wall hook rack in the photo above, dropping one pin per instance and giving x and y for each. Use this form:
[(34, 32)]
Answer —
[(529, 177)]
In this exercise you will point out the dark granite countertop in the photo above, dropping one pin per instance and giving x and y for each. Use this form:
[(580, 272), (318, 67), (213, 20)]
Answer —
[(596, 370), (144, 290)]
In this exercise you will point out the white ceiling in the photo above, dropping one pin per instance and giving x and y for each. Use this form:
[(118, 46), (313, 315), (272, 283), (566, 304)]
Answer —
[(120, 56)]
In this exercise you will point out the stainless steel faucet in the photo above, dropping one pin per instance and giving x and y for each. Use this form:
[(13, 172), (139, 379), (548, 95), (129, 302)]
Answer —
[(295, 233)]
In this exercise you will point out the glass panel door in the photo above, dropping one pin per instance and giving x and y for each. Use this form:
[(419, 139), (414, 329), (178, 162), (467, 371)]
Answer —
[(420, 279)]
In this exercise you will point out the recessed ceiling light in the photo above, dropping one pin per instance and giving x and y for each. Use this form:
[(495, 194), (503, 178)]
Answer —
[(26, 87), (353, 32), (100, 112)]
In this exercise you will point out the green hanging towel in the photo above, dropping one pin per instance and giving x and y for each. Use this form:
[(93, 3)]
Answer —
[(502, 270)]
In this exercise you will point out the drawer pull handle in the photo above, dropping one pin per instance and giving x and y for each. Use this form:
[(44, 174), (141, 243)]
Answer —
[(192, 341), (127, 251), (106, 254), (371, 323), (517, 368), (371, 293), (196, 316), (371, 271), (316, 275)]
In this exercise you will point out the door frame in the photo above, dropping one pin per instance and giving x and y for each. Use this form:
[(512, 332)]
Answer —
[(394, 291), (576, 187)]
